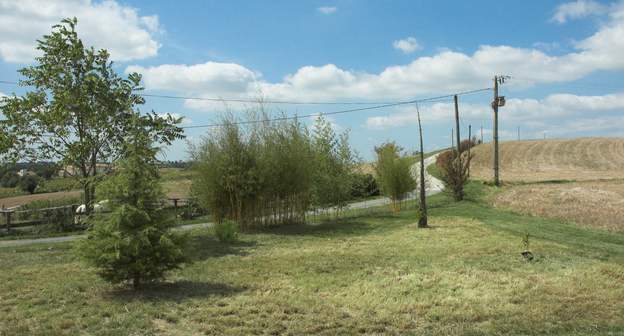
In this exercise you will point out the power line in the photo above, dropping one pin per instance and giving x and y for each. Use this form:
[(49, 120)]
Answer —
[(423, 100), (260, 101), (378, 105), (249, 100)]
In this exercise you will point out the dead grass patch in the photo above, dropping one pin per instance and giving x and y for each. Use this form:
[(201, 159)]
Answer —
[(25, 199), (599, 204), (558, 159)]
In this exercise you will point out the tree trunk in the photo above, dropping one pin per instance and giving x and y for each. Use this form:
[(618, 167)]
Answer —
[(136, 282), (422, 221)]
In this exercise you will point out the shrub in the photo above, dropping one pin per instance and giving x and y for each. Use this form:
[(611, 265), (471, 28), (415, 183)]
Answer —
[(28, 183), (454, 172), (271, 173), (10, 179), (394, 172), (226, 231), (364, 185)]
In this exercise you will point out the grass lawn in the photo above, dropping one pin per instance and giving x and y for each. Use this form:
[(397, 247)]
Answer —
[(361, 275)]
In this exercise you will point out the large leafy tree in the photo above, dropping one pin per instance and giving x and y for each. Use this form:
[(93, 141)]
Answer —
[(134, 243), (79, 110)]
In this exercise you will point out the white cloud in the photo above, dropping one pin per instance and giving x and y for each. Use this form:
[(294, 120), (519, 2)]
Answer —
[(102, 24), (535, 113), (185, 120), (327, 10), (407, 45), (578, 9), (444, 72)]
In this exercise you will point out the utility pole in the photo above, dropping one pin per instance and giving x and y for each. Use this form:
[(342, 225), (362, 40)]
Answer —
[(469, 146), (422, 221), (518, 133), (459, 164), (452, 138), (481, 133), (498, 102), (495, 108)]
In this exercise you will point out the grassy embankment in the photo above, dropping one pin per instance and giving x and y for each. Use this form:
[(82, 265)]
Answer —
[(375, 273)]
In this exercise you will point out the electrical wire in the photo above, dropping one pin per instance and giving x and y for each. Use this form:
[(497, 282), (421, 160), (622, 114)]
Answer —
[(423, 100)]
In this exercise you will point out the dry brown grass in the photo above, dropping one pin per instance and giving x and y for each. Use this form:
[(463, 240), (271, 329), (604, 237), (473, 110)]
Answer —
[(25, 199), (541, 160), (598, 204), (178, 188)]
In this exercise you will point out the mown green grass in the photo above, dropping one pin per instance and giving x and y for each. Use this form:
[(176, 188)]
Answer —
[(372, 274)]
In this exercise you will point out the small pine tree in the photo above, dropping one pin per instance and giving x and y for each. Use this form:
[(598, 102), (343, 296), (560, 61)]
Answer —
[(133, 243)]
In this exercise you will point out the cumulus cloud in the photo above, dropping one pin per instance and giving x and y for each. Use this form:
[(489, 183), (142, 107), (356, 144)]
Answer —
[(102, 24), (327, 10), (407, 45), (536, 113), (578, 9), (444, 72)]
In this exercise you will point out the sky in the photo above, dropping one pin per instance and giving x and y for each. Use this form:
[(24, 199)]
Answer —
[(565, 59)]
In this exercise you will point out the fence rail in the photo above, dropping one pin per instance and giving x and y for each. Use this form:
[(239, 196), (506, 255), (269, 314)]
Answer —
[(67, 216)]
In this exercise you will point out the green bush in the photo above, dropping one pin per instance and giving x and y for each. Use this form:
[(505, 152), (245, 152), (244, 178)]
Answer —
[(28, 183), (226, 231), (394, 173), (364, 185), (9, 180)]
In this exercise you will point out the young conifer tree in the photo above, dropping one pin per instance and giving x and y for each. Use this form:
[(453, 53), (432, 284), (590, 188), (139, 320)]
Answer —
[(133, 243)]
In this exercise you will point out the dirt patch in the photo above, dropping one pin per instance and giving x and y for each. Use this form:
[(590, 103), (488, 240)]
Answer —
[(25, 199), (596, 204), (558, 159)]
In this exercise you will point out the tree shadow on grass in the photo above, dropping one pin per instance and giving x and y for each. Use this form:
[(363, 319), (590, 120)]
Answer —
[(354, 226), (206, 246), (173, 291)]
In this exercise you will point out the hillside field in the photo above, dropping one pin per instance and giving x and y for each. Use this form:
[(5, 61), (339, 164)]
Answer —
[(547, 160)]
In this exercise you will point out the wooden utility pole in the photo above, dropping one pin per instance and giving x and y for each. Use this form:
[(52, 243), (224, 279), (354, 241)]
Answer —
[(457, 124), (469, 146), (518, 133), (422, 221), (481, 133), (495, 108)]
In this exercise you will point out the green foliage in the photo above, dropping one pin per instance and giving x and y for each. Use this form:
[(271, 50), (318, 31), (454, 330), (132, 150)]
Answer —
[(80, 110), (9, 180), (271, 173), (454, 172), (28, 183), (333, 165), (133, 243), (226, 231), (51, 203), (364, 185), (394, 172)]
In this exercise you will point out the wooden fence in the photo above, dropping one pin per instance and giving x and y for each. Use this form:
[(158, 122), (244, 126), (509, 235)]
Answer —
[(65, 217)]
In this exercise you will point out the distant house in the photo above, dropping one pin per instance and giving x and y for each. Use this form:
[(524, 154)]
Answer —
[(69, 170)]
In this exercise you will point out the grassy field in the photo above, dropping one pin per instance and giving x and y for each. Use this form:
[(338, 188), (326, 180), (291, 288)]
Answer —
[(598, 204), (25, 199), (543, 160), (362, 275)]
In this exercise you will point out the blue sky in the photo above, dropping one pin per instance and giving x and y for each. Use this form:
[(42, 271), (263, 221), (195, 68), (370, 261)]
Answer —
[(565, 58)]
